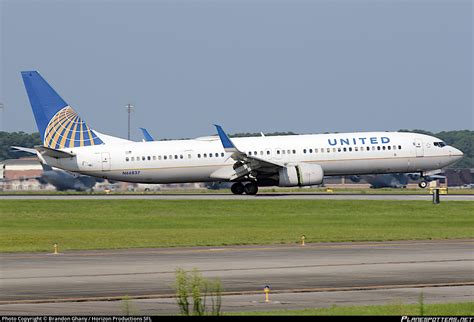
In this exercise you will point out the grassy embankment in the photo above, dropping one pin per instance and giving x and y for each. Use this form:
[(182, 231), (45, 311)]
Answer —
[(34, 225)]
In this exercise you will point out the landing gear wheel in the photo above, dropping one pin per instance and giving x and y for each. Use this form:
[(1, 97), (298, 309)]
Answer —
[(251, 188), (237, 188), (423, 184)]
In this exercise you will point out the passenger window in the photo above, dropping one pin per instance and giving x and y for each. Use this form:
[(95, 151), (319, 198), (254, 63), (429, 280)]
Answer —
[(356, 149), (149, 158), (282, 151), (180, 156), (250, 153), (165, 157), (189, 156), (254, 152), (310, 150), (329, 150), (154, 157), (294, 151), (368, 148), (399, 147), (378, 147), (338, 149), (171, 157), (322, 150), (304, 150), (261, 152), (268, 152), (315, 150), (278, 151), (345, 149), (199, 155), (204, 155), (210, 155), (159, 157), (383, 147), (389, 147), (222, 154), (126, 159)]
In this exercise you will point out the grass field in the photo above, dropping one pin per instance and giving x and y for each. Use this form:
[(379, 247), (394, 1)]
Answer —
[(34, 225), (445, 309)]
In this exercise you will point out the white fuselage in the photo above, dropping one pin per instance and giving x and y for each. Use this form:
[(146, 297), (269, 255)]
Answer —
[(202, 159)]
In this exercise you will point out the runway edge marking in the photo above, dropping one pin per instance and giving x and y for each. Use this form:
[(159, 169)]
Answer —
[(276, 291)]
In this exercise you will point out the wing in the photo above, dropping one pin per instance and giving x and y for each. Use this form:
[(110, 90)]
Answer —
[(146, 136), (245, 165)]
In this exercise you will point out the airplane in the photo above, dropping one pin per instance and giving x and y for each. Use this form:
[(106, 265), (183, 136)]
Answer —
[(249, 162), (62, 180), (394, 180)]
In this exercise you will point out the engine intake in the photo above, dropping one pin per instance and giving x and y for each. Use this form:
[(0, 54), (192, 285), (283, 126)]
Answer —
[(300, 175)]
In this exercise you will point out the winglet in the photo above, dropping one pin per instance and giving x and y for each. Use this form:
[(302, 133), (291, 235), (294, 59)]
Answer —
[(146, 135), (226, 142)]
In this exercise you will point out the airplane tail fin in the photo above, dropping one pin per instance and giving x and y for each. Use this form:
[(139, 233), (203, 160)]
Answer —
[(58, 124)]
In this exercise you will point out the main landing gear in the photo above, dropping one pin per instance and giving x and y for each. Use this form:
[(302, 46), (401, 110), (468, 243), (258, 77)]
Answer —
[(250, 188)]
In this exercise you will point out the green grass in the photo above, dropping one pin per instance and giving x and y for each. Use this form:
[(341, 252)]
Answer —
[(34, 225), (444, 309)]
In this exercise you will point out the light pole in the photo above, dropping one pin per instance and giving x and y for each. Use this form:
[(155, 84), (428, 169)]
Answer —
[(129, 108), (2, 108)]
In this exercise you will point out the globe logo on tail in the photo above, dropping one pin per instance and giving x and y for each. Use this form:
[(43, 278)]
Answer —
[(67, 130)]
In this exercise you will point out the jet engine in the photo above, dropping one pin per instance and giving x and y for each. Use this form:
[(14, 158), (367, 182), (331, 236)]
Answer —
[(301, 174)]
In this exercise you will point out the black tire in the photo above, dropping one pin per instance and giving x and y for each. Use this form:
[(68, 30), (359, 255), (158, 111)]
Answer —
[(237, 188), (423, 184), (251, 188)]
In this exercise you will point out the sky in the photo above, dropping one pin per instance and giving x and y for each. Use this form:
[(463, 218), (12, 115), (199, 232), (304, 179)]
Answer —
[(282, 65)]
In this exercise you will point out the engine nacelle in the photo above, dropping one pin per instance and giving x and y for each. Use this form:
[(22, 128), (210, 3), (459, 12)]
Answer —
[(300, 175)]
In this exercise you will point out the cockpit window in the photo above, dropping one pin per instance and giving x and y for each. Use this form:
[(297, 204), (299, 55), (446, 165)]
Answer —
[(439, 144)]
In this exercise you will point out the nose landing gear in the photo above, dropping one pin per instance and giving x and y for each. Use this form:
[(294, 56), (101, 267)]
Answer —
[(423, 184)]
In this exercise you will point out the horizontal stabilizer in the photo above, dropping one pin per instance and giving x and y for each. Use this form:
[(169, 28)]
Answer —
[(54, 153), (28, 150)]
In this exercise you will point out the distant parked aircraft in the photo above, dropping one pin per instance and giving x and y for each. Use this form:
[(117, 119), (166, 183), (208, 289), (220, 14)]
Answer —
[(394, 180), (62, 180)]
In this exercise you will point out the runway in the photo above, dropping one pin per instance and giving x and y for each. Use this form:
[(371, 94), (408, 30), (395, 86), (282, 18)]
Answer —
[(369, 269), (219, 196)]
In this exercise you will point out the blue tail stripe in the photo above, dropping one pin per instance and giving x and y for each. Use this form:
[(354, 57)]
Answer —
[(44, 100)]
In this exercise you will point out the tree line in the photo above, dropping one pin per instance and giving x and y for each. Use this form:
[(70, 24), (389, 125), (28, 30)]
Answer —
[(461, 139)]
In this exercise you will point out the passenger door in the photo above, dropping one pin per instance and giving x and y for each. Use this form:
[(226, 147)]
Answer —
[(105, 161), (419, 151)]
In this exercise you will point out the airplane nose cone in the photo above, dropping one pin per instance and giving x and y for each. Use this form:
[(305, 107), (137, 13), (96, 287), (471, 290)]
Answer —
[(457, 154)]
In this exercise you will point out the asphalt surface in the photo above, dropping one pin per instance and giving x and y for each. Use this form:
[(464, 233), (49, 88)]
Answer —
[(291, 271), (263, 196)]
